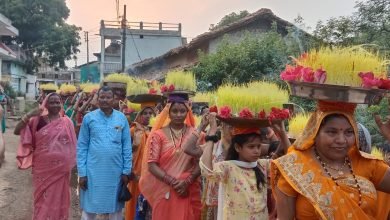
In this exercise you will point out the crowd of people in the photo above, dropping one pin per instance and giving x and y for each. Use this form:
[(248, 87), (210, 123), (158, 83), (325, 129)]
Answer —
[(175, 169)]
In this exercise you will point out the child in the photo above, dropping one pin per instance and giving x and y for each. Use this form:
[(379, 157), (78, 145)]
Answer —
[(242, 177)]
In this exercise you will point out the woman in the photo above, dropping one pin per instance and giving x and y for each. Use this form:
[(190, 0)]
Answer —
[(139, 133), (52, 138), (242, 177), (324, 175), (2, 143), (169, 179)]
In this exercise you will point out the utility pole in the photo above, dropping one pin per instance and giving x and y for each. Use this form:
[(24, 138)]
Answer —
[(87, 41), (124, 27)]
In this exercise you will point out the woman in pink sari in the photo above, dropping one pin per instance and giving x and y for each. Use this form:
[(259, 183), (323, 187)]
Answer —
[(50, 137), (169, 179)]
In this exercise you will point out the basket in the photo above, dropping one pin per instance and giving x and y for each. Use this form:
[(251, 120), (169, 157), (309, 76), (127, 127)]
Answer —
[(190, 93), (144, 98), (336, 93), (116, 85), (247, 122)]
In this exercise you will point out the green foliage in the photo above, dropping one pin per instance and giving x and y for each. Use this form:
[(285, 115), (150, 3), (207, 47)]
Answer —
[(254, 58), (364, 115), (43, 33), (230, 18), (370, 24), (8, 90)]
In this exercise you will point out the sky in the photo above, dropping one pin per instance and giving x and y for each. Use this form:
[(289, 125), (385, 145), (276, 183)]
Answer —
[(194, 15)]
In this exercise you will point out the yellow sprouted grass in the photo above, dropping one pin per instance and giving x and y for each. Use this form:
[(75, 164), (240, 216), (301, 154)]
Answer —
[(256, 96), (67, 88), (297, 124), (90, 87), (342, 65), (117, 77), (378, 153), (134, 106), (137, 86), (181, 80), (48, 86), (208, 97)]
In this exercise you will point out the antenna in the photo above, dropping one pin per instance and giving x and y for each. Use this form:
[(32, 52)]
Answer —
[(117, 10)]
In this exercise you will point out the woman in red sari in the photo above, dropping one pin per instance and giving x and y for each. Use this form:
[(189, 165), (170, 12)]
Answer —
[(169, 179), (52, 139)]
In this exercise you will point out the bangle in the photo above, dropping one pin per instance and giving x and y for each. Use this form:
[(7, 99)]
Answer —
[(189, 180), (168, 179), (213, 138), (24, 119), (197, 134)]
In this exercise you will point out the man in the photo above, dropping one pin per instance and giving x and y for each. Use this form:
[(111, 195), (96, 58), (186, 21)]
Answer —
[(104, 158)]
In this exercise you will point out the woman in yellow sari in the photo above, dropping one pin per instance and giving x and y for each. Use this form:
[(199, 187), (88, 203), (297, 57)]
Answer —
[(324, 175)]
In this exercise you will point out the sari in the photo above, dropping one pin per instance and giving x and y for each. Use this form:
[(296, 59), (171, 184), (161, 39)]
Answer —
[(299, 174), (165, 202), (139, 134), (54, 156)]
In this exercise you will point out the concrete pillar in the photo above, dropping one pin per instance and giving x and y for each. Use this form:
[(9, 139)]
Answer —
[(102, 55), (1, 66)]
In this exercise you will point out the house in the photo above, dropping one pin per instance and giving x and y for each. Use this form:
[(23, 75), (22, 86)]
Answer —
[(48, 74), (11, 59), (143, 40), (187, 55), (89, 72), (14, 69)]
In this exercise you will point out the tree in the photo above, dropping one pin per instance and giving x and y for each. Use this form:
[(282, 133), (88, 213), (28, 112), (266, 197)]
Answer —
[(230, 18), (370, 24), (43, 32)]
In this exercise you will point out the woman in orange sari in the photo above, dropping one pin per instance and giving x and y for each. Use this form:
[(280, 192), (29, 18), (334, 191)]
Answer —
[(139, 134), (324, 175), (169, 179), (52, 139)]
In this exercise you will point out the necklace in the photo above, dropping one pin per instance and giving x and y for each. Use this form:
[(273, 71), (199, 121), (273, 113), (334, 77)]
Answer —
[(324, 166), (338, 169), (175, 137)]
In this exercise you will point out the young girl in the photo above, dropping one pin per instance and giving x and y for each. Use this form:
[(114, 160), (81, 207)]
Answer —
[(242, 177)]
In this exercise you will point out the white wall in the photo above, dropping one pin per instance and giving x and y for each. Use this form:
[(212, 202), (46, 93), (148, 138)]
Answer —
[(149, 46)]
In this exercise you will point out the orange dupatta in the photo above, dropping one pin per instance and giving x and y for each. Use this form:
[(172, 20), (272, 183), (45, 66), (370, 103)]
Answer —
[(299, 171)]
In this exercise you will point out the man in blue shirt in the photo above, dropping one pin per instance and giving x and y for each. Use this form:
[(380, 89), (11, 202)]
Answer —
[(104, 158)]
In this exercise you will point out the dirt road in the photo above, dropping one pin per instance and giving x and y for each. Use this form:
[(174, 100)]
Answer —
[(16, 185)]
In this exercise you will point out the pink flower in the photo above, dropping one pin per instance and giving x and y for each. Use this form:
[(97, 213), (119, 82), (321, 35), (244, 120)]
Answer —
[(307, 74), (225, 112), (384, 84), (164, 88), (320, 76), (246, 113), (152, 91), (261, 114), (291, 73), (171, 88), (279, 114), (214, 108), (369, 81)]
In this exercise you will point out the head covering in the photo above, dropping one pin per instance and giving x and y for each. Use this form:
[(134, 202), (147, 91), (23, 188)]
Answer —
[(324, 109), (178, 97), (364, 139), (247, 130), (45, 103)]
